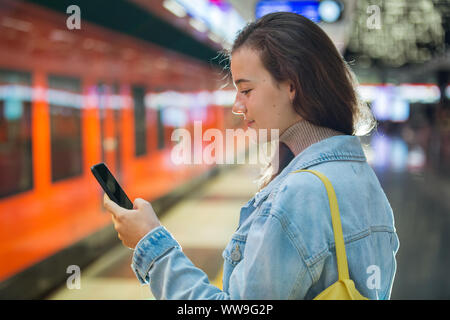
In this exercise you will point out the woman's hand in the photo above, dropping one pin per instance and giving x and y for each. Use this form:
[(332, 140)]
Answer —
[(132, 225)]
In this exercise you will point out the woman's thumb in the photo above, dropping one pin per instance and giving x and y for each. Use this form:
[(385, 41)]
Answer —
[(139, 203)]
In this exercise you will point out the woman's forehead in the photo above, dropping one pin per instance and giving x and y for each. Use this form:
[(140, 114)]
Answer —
[(246, 66)]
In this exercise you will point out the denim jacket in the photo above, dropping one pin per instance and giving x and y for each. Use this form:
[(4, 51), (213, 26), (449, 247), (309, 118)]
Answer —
[(284, 245)]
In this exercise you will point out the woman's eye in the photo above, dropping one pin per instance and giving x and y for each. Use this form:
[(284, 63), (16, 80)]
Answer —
[(246, 91)]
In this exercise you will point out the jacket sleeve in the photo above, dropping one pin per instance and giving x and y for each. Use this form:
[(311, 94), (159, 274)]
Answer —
[(264, 272), (159, 261)]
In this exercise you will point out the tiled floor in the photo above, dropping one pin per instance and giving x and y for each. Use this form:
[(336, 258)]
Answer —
[(202, 224)]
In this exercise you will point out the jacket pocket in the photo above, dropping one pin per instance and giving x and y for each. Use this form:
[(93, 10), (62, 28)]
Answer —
[(234, 251)]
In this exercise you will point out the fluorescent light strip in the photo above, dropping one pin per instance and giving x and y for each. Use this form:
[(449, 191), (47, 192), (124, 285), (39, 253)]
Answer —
[(175, 8)]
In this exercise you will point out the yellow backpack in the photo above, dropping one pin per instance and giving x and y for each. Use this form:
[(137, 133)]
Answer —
[(344, 288)]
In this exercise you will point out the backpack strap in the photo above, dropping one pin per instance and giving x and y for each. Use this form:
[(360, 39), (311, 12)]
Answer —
[(337, 227)]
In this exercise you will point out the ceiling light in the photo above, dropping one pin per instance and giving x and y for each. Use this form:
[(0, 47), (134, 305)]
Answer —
[(175, 8)]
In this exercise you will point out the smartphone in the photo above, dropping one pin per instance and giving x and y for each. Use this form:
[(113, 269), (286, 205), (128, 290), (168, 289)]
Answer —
[(111, 186)]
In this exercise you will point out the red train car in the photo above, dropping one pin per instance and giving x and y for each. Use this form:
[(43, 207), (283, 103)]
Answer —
[(70, 99)]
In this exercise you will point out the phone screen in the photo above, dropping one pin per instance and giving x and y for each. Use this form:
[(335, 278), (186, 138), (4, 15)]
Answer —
[(111, 186)]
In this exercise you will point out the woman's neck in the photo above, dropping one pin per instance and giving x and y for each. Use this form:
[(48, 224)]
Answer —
[(297, 138), (303, 133), (292, 142)]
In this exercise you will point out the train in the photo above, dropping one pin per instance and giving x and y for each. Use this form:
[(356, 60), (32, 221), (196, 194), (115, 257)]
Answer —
[(70, 99)]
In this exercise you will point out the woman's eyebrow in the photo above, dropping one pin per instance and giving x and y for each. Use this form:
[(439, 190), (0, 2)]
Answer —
[(241, 80)]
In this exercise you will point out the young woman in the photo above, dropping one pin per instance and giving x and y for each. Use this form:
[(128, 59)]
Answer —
[(289, 77)]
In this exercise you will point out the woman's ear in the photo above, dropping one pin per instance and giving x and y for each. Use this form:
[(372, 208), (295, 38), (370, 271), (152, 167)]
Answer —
[(291, 91)]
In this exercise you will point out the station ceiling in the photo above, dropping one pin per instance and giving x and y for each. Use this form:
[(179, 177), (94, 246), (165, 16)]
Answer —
[(137, 21), (409, 32), (412, 38)]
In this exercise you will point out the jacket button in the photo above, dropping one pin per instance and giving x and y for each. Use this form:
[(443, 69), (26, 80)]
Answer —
[(236, 254)]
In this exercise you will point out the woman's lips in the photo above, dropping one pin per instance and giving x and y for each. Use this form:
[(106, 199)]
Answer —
[(249, 123)]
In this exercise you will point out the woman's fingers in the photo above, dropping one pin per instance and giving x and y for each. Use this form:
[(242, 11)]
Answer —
[(132, 225), (116, 210), (140, 203)]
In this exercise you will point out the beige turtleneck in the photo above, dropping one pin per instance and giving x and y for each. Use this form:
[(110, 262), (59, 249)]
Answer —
[(297, 138), (303, 133)]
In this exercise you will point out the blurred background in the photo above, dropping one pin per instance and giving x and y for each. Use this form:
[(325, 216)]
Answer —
[(83, 82)]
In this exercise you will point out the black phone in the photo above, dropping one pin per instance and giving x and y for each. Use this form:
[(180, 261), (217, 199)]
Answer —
[(111, 186)]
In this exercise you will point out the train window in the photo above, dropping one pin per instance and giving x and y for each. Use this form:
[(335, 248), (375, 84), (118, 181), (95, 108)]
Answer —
[(140, 125), (16, 169), (65, 127)]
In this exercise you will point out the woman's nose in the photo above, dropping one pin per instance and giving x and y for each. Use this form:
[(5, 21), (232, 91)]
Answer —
[(238, 108)]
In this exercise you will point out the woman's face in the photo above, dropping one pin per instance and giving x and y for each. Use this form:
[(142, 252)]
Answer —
[(264, 104)]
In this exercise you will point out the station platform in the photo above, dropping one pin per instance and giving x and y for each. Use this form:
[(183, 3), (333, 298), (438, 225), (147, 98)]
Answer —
[(202, 223)]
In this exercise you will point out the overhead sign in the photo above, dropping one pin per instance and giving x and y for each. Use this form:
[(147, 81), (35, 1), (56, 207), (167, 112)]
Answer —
[(219, 17), (328, 11)]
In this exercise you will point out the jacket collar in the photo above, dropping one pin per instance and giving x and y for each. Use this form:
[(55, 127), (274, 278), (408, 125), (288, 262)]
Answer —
[(336, 148)]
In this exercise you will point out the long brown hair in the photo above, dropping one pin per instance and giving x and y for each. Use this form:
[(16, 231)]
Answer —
[(291, 47)]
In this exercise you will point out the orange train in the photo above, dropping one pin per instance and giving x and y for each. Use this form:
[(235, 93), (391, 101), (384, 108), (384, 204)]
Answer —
[(70, 99)]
